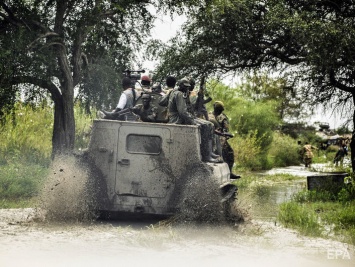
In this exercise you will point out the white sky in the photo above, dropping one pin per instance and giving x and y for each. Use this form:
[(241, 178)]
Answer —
[(165, 28)]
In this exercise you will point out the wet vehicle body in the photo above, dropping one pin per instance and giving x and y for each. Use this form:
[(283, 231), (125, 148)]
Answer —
[(145, 167)]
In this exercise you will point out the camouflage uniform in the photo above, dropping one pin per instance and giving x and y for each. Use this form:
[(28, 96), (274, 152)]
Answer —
[(221, 124), (177, 109), (146, 114), (308, 154), (179, 114)]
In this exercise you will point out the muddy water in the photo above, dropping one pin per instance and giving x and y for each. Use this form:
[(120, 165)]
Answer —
[(28, 240)]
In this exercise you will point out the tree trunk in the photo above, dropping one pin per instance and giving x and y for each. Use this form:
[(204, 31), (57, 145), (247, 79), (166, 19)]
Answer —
[(352, 143), (64, 124)]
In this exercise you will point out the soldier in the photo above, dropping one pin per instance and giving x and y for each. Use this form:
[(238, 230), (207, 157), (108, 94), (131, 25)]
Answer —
[(221, 124), (170, 83), (191, 97), (146, 111), (308, 154), (156, 88), (339, 156), (177, 110)]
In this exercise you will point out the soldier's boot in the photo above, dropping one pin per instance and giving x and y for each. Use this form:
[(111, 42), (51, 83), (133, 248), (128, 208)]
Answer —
[(208, 157), (214, 155)]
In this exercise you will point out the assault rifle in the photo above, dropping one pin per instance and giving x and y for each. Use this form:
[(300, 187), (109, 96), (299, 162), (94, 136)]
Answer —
[(116, 115), (224, 134)]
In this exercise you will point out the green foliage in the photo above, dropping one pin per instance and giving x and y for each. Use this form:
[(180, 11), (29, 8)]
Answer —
[(311, 41), (343, 130), (335, 210), (332, 148), (21, 180), (314, 196), (284, 151), (262, 88), (253, 121), (313, 218), (83, 123), (27, 135), (299, 217), (56, 46), (246, 151), (26, 151)]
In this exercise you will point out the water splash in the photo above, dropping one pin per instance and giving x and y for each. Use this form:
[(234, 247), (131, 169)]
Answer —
[(67, 194)]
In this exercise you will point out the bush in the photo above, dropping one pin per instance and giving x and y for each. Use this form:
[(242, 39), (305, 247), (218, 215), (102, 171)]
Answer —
[(19, 181), (246, 151), (284, 151)]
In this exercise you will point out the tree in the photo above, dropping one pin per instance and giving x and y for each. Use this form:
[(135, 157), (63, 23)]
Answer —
[(253, 121), (312, 40), (58, 45)]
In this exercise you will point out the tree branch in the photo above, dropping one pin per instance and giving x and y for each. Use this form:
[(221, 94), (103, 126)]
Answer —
[(51, 87), (41, 37), (338, 84)]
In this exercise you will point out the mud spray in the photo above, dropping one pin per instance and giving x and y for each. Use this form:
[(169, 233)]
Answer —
[(68, 193), (201, 200), (71, 191)]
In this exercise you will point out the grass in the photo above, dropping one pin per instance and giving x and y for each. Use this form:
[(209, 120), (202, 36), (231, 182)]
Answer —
[(312, 213), (299, 217), (322, 213), (25, 151), (249, 180), (20, 184)]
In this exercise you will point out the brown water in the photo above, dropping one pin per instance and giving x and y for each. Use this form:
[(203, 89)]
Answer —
[(27, 238)]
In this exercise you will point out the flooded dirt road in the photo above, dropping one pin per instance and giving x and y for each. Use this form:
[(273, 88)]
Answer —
[(24, 242)]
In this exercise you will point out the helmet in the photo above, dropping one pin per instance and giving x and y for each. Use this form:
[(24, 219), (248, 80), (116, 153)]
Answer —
[(185, 81), (184, 84), (218, 105), (146, 96)]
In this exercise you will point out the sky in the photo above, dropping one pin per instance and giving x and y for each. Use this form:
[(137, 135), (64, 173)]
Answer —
[(165, 28)]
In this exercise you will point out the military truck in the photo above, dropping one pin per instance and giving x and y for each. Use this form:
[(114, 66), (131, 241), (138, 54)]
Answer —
[(144, 168)]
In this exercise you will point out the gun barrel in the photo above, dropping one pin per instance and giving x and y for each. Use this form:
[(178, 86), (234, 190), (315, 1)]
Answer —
[(225, 134)]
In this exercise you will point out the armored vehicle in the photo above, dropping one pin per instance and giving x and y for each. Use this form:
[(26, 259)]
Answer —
[(145, 167)]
